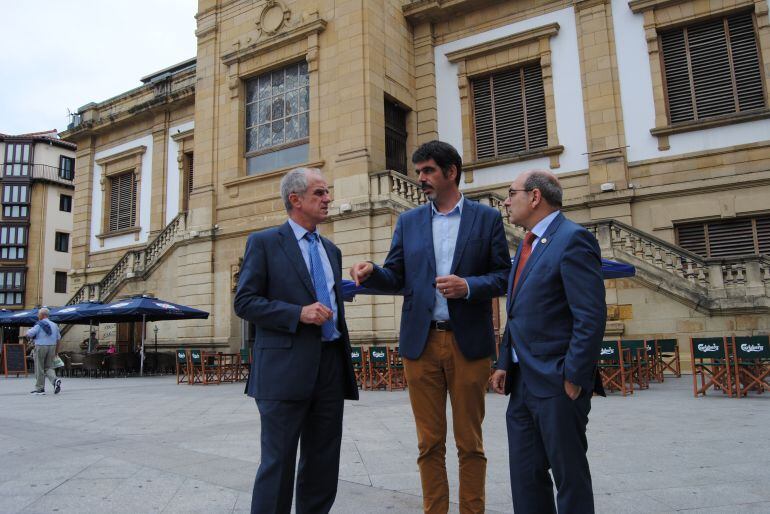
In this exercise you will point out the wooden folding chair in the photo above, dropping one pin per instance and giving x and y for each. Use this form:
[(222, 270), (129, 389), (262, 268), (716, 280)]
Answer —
[(229, 367), (711, 362), (668, 354), (357, 356), (245, 363), (195, 367), (639, 362), (615, 368), (211, 370), (752, 364), (396, 364), (653, 357), (379, 369)]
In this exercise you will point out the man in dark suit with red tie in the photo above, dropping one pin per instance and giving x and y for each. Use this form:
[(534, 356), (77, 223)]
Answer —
[(556, 315)]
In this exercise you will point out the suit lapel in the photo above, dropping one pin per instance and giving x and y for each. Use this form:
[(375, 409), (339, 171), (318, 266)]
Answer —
[(291, 248), (467, 219), (426, 236), (541, 248), (511, 276)]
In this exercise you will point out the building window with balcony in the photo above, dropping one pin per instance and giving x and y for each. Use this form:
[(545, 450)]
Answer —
[(12, 287), (726, 238), (62, 242), (66, 168), (122, 208), (277, 119), (60, 282), (395, 137), (13, 242), (509, 112), (15, 201), (712, 68), (18, 157), (65, 203)]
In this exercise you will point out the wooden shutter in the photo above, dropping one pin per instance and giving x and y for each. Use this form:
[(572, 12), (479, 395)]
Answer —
[(509, 112), (190, 168), (692, 238), (122, 202), (712, 68), (763, 234), (395, 137), (731, 237)]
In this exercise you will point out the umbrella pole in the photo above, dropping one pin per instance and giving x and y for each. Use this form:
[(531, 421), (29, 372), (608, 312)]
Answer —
[(141, 353)]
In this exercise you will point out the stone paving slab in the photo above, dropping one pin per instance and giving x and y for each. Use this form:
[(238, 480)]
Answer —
[(149, 445)]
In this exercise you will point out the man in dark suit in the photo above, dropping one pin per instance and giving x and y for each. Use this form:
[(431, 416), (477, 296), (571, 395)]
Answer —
[(556, 315), (450, 259), (289, 287)]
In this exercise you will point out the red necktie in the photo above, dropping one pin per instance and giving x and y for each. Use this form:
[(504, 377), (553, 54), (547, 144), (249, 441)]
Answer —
[(526, 250)]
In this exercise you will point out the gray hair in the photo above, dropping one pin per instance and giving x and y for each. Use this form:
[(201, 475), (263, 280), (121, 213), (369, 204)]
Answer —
[(547, 184), (44, 311), (295, 182)]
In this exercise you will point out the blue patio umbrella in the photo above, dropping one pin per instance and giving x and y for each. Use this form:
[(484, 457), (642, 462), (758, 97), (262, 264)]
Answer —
[(76, 314), (610, 269), (144, 309), (26, 318)]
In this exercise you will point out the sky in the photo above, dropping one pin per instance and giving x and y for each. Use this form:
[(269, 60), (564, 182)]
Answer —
[(59, 55)]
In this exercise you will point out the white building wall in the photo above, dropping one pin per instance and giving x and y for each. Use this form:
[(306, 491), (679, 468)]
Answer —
[(53, 261), (144, 196), (173, 178), (570, 120)]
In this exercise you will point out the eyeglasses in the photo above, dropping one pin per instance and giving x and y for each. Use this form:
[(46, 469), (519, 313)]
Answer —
[(511, 191)]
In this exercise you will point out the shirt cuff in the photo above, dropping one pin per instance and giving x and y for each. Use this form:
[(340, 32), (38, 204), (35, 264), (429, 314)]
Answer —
[(468, 287)]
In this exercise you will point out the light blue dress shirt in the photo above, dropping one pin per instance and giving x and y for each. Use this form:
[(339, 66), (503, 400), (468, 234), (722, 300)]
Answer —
[(38, 335), (538, 230), (304, 246), (445, 230)]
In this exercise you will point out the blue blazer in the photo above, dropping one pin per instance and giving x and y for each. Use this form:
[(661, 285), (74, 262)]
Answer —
[(273, 285), (557, 313), (481, 257)]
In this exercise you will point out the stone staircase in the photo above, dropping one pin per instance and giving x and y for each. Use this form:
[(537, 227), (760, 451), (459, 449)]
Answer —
[(733, 285)]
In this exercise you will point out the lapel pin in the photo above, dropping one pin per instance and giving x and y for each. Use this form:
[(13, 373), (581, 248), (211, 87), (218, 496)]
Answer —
[(544, 240)]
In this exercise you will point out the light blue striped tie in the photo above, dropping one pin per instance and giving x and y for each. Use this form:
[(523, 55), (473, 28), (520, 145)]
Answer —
[(319, 281)]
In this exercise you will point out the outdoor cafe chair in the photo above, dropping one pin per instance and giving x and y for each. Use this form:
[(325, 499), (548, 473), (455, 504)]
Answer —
[(397, 375), (229, 366), (711, 364), (668, 356), (182, 366), (116, 363), (752, 364), (379, 368), (357, 357), (245, 363), (615, 368), (211, 369), (195, 367), (93, 363), (639, 361), (653, 358)]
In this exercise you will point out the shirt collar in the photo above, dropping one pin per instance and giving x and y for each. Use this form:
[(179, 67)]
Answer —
[(543, 224), (299, 230), (458, 208)]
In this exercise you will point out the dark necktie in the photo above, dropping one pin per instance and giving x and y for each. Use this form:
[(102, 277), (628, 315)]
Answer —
[(319, 281), (526, 250)]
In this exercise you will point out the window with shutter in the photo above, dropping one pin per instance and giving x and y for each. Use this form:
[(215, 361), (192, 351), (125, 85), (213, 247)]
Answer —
[(509, 112), (726, 238), (122, 211), (395, 137), (712, 68)]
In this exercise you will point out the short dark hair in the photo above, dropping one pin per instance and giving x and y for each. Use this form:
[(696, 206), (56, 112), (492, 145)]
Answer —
[(547, 184), (443, 153)]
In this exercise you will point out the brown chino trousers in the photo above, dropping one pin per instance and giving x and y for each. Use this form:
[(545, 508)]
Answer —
[(440, 369)]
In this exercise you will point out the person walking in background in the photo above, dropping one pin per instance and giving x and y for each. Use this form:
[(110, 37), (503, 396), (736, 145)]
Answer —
[(290, 288), (46, 337), (450, 259), (556, 314)]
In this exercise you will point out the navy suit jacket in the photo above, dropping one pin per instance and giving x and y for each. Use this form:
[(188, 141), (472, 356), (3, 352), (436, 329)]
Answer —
[(481, 257), (557, 313), (273, 286)]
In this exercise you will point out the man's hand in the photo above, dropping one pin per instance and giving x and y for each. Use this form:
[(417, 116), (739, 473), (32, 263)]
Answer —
[(452, 286), (497, 381), (361, 271), (315, 314), (572, 390)]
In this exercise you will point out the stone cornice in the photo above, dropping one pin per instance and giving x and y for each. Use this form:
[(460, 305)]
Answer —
[(639, 6), (125, 154), (521, 38), (298, 33)]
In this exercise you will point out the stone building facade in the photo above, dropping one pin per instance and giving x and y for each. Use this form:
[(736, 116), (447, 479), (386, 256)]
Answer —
[(661, 138)]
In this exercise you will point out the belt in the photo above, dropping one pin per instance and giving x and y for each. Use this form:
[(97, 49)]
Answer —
[(441, 326)]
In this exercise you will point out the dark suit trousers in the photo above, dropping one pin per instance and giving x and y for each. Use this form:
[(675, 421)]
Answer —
[(316, 424), (548, 433)]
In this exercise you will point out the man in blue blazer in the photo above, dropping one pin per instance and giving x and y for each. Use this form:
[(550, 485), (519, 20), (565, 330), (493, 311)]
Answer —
[(289, 287), (449, 258), (556, 315)]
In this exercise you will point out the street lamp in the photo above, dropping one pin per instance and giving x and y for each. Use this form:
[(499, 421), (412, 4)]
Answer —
[(156, 338)]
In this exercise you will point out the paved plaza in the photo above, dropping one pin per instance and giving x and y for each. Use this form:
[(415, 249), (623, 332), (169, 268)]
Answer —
[(141, 445)]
